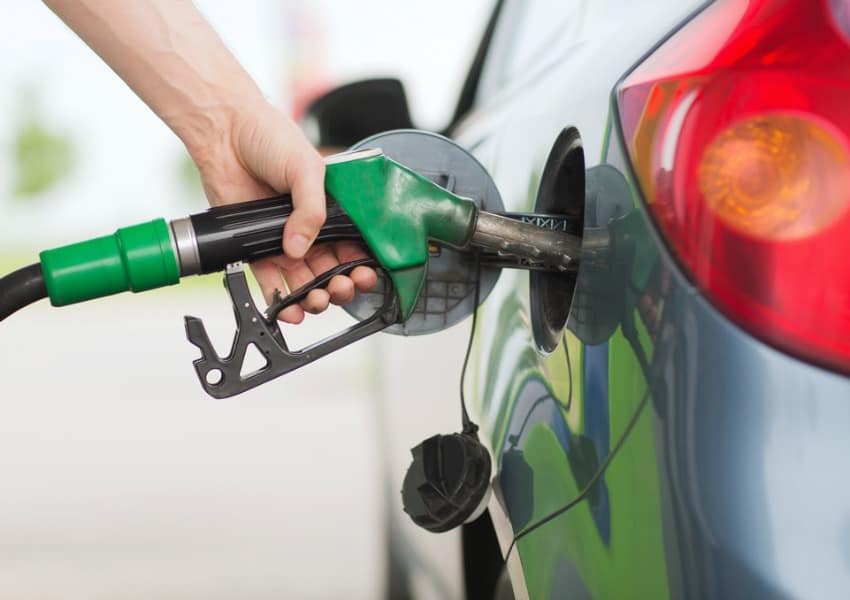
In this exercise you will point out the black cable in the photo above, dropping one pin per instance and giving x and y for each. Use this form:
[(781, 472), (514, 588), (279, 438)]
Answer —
[(468, 425), (588, 489), (21, 288), (513, 440)]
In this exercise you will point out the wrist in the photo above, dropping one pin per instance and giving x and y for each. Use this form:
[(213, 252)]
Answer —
[(207, 131)]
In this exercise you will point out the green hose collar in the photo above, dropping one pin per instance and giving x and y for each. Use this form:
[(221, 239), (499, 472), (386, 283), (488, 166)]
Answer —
[(135, 258)]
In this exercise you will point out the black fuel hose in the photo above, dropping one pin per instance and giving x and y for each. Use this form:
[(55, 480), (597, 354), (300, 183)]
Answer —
[(21, 288)]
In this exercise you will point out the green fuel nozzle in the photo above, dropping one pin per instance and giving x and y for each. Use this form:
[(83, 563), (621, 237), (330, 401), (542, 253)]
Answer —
[(394, 211), (375, 200), (397, 214)]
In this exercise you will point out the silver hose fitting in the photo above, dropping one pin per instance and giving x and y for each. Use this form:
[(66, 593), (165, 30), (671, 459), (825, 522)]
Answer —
[(550, 248), (185, 246)]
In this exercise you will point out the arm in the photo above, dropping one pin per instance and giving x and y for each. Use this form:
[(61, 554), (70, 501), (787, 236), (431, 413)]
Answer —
[(244, 148)]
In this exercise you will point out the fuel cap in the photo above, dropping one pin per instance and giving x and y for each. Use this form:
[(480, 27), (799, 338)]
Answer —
[(448, 482)]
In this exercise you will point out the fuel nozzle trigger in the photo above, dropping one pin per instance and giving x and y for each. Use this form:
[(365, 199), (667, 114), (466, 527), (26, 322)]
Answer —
[(222, 377)]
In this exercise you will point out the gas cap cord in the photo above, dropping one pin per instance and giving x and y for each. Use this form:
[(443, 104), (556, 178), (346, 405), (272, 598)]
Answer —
[(468, 425)]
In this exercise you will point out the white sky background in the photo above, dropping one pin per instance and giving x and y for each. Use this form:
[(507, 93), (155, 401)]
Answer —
[(127, 160)]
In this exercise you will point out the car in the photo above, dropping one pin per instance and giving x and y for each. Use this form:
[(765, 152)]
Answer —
[(672, 420)]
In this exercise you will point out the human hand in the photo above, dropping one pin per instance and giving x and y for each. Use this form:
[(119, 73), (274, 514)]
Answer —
[(262, 153), (244, 148)]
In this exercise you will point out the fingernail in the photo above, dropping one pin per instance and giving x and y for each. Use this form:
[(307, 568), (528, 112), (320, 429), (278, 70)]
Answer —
[(298, 245)]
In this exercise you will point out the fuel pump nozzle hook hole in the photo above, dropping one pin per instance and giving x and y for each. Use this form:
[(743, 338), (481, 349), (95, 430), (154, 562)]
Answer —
[(222, 377)]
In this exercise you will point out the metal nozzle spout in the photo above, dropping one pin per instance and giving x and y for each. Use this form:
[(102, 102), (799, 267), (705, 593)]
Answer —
[(553, 249)]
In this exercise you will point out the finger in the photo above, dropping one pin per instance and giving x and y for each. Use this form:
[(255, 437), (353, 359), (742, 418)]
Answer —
[(298, 274), (277, 152), (291, 314), (317, 301), (308, 201), (321, 260), (364, 278), (268, 274), (341, 290)]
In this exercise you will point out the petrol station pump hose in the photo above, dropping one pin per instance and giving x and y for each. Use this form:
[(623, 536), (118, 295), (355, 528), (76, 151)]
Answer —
[(403, 219), (156, 254), (398, 216), (21, 288), (395, 213)]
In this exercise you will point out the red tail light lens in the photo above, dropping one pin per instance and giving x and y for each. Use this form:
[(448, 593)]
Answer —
[(737, 129)]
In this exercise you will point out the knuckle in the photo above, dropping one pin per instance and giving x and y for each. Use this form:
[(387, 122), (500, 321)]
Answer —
[(365, 278), (316, 301), (313, 218), (317, 165), (292, 314), (342, 290), (311, 167), (321, 258)]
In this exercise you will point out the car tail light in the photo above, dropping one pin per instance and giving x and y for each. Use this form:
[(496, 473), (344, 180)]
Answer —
[(737, 129)]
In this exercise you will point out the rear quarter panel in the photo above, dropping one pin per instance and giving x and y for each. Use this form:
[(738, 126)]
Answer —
[(552, 420)]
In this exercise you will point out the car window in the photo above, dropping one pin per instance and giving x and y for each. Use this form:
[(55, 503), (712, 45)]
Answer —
[(527, 30)]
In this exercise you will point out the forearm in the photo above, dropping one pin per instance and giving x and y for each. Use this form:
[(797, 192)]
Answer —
[(171, 57), (243, 147)]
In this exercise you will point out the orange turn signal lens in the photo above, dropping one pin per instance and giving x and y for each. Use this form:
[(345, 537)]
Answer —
[(776, 176)]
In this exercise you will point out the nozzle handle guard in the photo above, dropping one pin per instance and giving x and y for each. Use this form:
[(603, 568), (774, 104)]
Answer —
[(222, 377)]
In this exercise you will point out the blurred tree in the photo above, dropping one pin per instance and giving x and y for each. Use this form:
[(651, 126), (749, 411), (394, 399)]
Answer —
[(42, 157)]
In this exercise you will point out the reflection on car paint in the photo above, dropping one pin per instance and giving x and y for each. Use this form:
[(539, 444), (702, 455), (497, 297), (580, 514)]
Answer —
[(715, 489), (568, 408)]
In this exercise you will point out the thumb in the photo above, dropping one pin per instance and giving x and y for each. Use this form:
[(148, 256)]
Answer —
[(308, 199), (276, 152)]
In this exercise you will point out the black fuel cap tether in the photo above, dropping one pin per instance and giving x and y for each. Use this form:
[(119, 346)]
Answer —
[(447, 483)]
